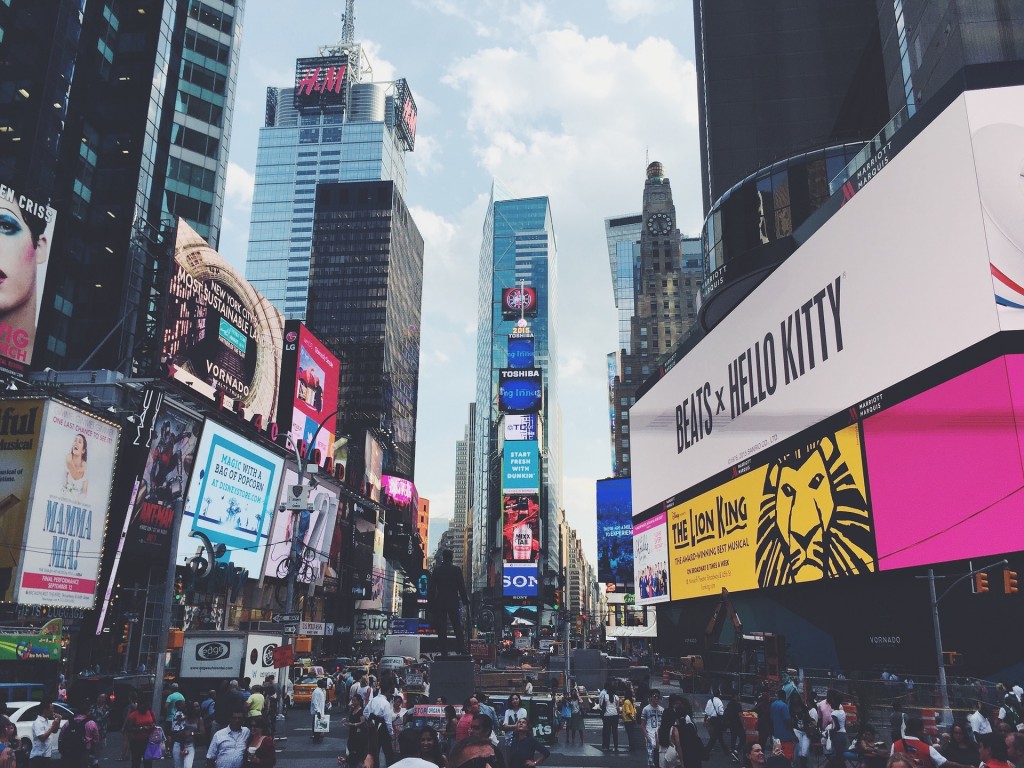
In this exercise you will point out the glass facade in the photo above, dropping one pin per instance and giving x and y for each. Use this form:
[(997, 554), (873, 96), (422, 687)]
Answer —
[(365, 294), (518, 246), (297, 152), (623, 236)]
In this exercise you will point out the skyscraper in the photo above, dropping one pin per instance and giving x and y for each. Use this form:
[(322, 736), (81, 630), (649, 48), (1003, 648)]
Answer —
[(462, 515), (120, 116), (329, 127), (365, 294), (518, 249)]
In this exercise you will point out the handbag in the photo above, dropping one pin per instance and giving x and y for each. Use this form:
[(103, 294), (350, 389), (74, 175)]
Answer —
[(322, 723), (671, 758), (155, 745), (566, 712)]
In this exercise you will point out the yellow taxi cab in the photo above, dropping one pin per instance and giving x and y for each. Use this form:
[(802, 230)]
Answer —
[(304, 688)]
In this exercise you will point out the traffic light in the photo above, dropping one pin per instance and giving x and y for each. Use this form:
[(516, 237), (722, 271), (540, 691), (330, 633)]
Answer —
[(179, 589), (558, 599), (1009, 581), (981, 582)]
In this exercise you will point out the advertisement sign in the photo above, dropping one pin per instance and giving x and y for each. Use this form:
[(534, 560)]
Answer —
[(212, 654), (67, 515), (314, 525), (520, 616), (374, 599), (20, 424), (406, 114), (369, 626), (519, 579), (520, 467), (220, 334), (320, 82), (519, 390), (21, 644), (801, 517), (373, 470), (400, 495), (521, 351), (521, 531), (614, 532), (521, 427), (518, 302), (231, 497), (259, 656), (650, 560), (160, 496), (823, 331), (309, 388), (284, 656), (28, 232)]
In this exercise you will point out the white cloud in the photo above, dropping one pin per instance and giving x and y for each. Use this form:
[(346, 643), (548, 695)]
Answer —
[(426, 158), (383, 70), (239, 185), (627, 10)]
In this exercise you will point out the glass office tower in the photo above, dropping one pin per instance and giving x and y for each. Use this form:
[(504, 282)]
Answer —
[(518, 247)]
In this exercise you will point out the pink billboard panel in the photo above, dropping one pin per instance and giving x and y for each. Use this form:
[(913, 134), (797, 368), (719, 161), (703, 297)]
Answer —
[(945, 469)]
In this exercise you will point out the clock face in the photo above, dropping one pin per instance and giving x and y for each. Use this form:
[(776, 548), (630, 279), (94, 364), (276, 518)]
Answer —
[(659, 224)]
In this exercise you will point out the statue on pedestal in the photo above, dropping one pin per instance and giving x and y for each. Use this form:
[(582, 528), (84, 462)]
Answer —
[(447, 591)]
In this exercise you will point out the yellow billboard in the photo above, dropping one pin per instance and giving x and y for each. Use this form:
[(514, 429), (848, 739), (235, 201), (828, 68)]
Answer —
[(803, 516)]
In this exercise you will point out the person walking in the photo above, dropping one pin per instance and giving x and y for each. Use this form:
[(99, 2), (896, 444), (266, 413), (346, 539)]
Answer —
[(609, 706), (734, 723), (228, 745), (575, 718), (714, 721), (782, 725), (317, 706), (259, 750), (139, 727), (629, 720), (650, 717), (46, 724), (185, 733)]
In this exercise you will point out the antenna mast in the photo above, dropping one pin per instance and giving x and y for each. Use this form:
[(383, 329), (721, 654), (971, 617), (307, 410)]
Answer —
[(348, 23)]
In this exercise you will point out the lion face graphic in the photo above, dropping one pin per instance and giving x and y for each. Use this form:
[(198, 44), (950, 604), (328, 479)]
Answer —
[(814, 520)]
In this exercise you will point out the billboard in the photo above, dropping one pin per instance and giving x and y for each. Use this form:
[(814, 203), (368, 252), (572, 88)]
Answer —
[(320, 83), (28, 223), (313, 527), (406, 114), (259, 656), (614, 532), (231, 497), (20, 424), (519, 579), (801, 516), (521, 351), (521, 427), (44, 644), (160, 494), (520, 390), (400, 496), (374, 532), (67, 514), (520, 467), (823, 331), (212, 654), (309, 388), (650, 560), (518, 302), (521, 529), (220, 334)]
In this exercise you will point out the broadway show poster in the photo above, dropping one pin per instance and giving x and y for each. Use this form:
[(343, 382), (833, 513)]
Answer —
[(371, 535), (615, 532), (521, 532), (67, 514), (309, 526), (650, 560), (160, 498), (220, 333), (231, 497), (801, 517), (20, 423)]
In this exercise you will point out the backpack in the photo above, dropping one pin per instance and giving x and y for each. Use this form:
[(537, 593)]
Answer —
[(71, 741)]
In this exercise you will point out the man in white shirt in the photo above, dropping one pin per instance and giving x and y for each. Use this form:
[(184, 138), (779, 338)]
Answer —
[(650, 717), (714, 721), (318, 703), (45, 725), (227, 747), (978, 720), (380, 713)]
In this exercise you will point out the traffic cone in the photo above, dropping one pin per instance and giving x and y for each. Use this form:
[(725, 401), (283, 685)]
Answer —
[(664, 677)]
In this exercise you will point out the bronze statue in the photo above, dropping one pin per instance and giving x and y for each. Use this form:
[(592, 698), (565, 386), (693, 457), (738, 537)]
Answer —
[(447, 590)]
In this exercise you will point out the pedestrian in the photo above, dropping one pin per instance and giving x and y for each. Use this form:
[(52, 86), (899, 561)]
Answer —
[(782, 725), (257, 703), (1012, 710), (474, 752), (754, 757), (317, 706), (481, 727), (79, 741), (133, 705), (960, 749), (358, 730), (924, 755), (898, 721), (139, 727), (46, 724), (272, 702), (608, 704), (470, 707), (206, 712), (451, 723), (170, 705), (734, 723), (100, 714), (185, 734), (629, 720), (804, 728), (430, 747), (837, 732), (714, 721), (409, 750), (259, 750), (380, 715), (523, 750), (228, 745), (513, 713), (575, 718), (685, 738), (978, 721), (763, 710), (488, 710), (650, 718)]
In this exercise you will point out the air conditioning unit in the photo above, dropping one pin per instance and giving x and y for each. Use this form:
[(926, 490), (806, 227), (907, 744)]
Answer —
[(297, 496)]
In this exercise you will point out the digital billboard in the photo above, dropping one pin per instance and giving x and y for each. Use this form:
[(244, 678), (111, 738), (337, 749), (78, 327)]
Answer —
[(518, 302), (614, 532), (67, 514), (375, 598), (823, 331), (520, 467), (521, 530), (231, 497), (406, 114), (320, 83), (220, 334), (522, 427), (308, 528), (520, 390), (309, 388), (399, 495), (521, 351), (650, 559), (28, 223), (21, 422), (160, 493), (519, 579)]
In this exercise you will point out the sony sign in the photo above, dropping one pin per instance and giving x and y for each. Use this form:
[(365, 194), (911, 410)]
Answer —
[(519, 579)]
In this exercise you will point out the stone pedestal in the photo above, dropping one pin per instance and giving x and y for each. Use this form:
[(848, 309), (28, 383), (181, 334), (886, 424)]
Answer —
[(451, 677)]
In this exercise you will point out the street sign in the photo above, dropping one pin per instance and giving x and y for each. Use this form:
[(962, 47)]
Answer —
[(286, 618), (291, 629), (312, 628), (283, 656), (329, 631)]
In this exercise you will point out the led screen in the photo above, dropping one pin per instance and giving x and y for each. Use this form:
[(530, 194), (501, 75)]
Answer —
[(520, 351), (614, 532), (521, 531), (520, 462), (650, 559), (519, 390), (518, 302), (309, 389)]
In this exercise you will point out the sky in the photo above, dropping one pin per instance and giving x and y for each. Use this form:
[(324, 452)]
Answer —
[(567, 98)]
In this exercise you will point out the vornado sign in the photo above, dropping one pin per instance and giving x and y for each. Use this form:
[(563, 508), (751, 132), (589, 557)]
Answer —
[(846, 316), (212, 654)]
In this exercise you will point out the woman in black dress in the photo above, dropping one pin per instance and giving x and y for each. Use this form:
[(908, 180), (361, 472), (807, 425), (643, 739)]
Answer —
[(358, 732)]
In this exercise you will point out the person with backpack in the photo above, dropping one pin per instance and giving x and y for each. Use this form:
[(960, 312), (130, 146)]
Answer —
[(79, 741), (923, 754), (714, 721)]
